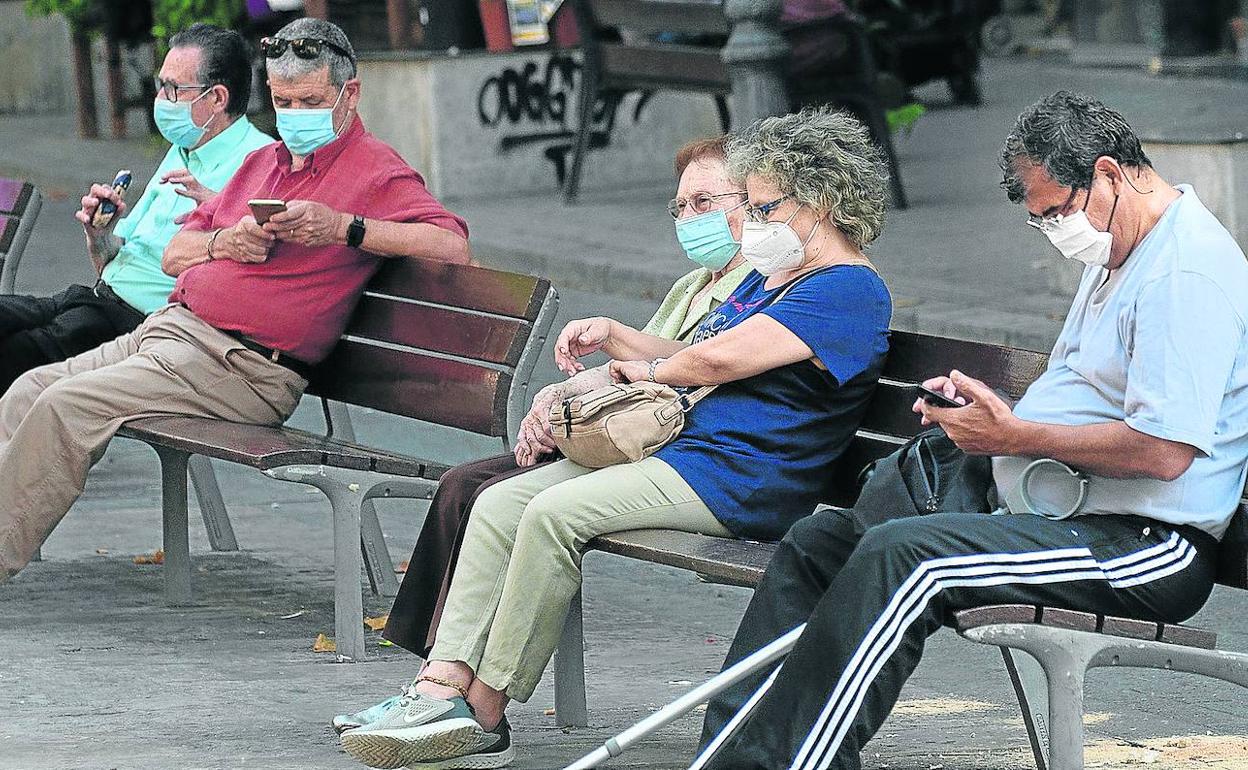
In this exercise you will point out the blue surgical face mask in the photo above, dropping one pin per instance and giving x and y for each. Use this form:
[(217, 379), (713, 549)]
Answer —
[(174, 121), (306, 131), (707, 239)]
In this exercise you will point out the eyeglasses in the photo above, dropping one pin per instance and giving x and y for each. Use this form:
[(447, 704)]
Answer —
[(760, 213), (701, 202), (170, 89), (1045, 224), (304, 47)]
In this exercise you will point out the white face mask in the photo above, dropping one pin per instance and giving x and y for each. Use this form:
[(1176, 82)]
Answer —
[(773, 247), (1077, 239)]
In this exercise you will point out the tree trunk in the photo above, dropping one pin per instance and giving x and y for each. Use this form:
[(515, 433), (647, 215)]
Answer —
[(84, 82)]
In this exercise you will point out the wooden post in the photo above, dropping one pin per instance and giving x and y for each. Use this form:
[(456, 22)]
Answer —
[(84, 83), (755, 54), (116, 87), (317, 9), (398, 24)]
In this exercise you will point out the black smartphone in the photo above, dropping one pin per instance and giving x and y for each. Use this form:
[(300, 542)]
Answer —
[(935, 398)]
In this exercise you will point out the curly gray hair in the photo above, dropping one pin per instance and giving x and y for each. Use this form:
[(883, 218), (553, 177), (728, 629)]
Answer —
[(288, 66), (1064, 134), (822, 158)]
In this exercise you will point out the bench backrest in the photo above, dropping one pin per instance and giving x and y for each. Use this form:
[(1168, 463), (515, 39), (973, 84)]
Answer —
[(642, 62), (19, 206), (448, 344), (913, 358)]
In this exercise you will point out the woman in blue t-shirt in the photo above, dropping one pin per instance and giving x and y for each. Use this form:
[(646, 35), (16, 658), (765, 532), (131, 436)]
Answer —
[(794, 353)]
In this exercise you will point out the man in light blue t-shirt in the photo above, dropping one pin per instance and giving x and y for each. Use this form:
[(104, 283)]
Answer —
[(202, 91), (1139, 424)]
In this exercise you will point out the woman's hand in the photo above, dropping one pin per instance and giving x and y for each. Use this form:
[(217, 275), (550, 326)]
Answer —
[(535, 439), (630, 371), (578, 339)]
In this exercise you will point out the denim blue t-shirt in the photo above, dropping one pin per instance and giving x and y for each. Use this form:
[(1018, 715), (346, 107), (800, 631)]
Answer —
[(1160, 345), (758, 451)]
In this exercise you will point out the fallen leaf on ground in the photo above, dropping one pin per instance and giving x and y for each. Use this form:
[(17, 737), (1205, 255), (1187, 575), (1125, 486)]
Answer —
[(101, 551), (377, 623), (384, 643), (156, 557), (294, 615), (324, 644), (549, 712), (401, 569)]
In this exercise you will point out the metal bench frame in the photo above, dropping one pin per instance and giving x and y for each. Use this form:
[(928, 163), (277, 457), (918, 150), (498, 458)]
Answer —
[(1057, 646), (358, 538)]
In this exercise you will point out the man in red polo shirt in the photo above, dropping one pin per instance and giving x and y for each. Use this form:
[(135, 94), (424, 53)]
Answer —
[(254, 307)]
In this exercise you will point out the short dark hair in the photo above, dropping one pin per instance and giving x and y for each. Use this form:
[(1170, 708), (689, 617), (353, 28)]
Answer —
[(226, 60), (1064, 134), (711, 148)]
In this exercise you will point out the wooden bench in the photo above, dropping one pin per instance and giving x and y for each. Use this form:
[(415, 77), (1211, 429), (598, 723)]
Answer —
[(19, 208), (615, 63), (1065, 643), (446, 344)]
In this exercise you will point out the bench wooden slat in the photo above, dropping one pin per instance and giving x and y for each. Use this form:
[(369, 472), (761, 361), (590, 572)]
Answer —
[(723, 560), (15, 196), (472, 288), (1171, 633), (439, 390), (1072, 619), (889, 412), (263, 447), (440, 329), (8, 231), (674, 67), (647, 16), (916, 357)]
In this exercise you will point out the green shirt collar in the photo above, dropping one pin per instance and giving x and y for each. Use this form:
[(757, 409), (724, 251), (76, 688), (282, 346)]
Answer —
[(225, 146)]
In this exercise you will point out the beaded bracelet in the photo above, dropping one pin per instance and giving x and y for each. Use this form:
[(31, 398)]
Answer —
[(212, 240)]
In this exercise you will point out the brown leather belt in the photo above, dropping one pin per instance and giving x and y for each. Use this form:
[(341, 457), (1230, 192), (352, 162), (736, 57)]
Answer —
[(300, 368)]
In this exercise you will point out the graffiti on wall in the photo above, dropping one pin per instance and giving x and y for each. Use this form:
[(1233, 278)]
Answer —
[(537, 104)]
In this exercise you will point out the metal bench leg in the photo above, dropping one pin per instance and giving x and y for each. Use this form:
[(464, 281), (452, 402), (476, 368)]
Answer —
[(177, 545), (211, 506), (1032, 691), (376, 555), (372, 540), (570, 707)]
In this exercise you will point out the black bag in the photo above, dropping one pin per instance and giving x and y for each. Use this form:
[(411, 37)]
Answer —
[(929, 474)]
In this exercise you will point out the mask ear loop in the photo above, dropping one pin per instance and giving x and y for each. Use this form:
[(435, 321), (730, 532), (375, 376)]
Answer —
[(192, 104)]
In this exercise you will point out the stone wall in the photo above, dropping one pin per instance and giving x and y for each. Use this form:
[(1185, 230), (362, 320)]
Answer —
[(504, 122)]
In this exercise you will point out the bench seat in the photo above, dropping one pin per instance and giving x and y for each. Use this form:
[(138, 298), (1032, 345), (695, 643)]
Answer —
[(266, 448), (1129, 628), (716, 559)]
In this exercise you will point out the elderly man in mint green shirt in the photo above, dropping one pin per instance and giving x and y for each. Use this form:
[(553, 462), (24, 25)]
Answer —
[(202, 90)]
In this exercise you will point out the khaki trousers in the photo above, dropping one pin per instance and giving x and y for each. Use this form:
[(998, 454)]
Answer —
[(56, 420), (520, 564)]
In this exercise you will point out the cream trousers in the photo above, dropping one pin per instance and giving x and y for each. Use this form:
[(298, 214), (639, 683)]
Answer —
[(520, 564), (56, 420)]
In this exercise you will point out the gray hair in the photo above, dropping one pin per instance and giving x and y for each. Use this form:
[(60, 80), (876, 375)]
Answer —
[(289, 67), (1064, 134), (822, 158)]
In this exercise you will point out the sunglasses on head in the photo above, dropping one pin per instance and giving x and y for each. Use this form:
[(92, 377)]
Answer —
[(304, 47)]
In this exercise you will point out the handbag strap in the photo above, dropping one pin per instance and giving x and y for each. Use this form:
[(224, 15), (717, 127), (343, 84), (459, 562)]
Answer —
[(688, 400)]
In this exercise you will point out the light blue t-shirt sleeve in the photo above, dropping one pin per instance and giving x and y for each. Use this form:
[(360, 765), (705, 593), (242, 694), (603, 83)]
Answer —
[(1182, 351), (842, 315)]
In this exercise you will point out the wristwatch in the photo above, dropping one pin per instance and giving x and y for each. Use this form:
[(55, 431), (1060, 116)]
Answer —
[(652, 366), (355, 232)]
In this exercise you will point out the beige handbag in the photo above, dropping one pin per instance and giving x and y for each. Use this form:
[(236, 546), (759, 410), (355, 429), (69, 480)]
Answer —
[(620, 423), (627, 422)]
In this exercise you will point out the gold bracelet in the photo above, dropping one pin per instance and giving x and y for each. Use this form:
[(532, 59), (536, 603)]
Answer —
[(212, 240)]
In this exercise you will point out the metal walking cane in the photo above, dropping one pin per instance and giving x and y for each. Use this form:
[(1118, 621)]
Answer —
[(620, 743)]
